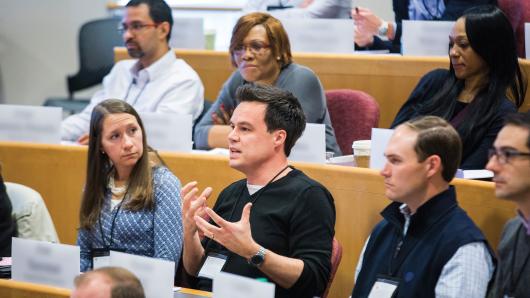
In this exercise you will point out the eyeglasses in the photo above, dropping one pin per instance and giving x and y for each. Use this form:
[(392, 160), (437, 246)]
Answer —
[(505, 155), (134, 27), (255, 48)]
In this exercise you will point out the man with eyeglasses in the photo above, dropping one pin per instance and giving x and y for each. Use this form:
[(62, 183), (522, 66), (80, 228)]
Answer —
[(510, 162), (155, 81)]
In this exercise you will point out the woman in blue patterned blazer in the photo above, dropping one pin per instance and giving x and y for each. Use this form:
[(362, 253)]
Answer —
[(131, 201)]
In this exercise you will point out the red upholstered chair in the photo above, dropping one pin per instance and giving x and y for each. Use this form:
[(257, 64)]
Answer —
[(336, 256), (353, 115), (518, 11)]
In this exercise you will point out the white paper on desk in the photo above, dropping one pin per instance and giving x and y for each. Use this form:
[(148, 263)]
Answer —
[(156, 275), (426, 38), (227, 285), (473, 174), (30, 124), (527, 39), (311, 146), (168, 131), (45, 263), (187, 33), (380, 138), (319, 35)]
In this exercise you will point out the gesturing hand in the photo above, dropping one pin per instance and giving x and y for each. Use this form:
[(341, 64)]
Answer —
[(235, 236), (193, 205)]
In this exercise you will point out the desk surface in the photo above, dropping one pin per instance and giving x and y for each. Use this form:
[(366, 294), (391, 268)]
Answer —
[(12, 288), (358, 193)]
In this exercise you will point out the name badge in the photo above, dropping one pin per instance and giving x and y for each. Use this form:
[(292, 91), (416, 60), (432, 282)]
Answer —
[(212, 264), (100, 258), (384, 287)]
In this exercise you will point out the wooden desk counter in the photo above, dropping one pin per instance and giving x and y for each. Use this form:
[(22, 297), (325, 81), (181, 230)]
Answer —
[(18, 289), (58, 173), (388, 78)]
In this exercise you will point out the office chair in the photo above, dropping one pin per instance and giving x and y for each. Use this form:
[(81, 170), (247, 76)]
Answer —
[(336, 256), (518, 12), (353, 115), (97, 40)]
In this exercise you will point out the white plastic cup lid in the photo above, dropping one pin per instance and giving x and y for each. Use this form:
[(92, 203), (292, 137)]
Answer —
[(362, 144)]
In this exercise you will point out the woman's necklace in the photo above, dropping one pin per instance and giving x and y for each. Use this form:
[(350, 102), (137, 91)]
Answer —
[(117, 191)]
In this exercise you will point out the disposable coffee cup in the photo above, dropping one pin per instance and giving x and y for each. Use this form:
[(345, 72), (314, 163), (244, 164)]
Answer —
[(361, 153)]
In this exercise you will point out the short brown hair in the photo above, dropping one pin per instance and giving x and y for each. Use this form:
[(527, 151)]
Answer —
[(437, 137), (124, 284), (283, 111), (278, 39)]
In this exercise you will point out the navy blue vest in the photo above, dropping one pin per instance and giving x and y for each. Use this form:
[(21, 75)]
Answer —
[(437, 229)]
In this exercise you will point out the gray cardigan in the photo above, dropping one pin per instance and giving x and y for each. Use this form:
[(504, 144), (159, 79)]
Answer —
[(299, 80)]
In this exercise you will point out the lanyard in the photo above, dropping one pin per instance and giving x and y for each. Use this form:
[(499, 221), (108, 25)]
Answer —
[(112, 225), (514, 279), (258, 194), (133, 82)]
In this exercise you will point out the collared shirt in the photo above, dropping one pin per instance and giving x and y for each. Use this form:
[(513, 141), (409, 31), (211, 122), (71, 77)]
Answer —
[(466, 274), (426, 9), (526, 222), (169, 85)]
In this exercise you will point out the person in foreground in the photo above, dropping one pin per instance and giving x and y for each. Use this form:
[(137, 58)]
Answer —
[(472, 94), (426, 245), (277, 222), (131, 201), (155, 81), (510, 163), (374, 33), (260, 50), (108, 282)]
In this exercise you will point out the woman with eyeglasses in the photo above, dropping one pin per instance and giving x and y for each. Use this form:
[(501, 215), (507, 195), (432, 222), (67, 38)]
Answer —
[(131, 202), (483, 84), (261, 52)]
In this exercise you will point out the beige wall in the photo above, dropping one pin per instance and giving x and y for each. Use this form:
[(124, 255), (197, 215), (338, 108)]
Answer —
[(38, 46)]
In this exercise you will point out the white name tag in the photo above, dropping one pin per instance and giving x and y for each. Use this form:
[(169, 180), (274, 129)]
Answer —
[(45, 263), (100, 262), (383, 288), (227, 285), (156, 275), (212, 265)]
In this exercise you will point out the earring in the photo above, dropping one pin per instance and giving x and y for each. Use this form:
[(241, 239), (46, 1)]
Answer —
[(278, 58)]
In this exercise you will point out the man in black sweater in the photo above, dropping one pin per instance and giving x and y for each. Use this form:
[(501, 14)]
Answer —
[(7, 223), (277, 223), (510, 162)]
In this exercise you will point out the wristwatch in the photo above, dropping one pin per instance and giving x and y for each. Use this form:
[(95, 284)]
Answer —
[(257, 259), (383, 29)]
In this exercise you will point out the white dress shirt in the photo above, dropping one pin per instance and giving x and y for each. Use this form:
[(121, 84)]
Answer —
[(169, 85)]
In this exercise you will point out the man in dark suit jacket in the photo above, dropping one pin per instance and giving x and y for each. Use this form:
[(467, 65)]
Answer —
[(370, 28)]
